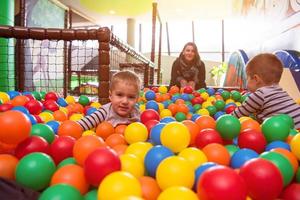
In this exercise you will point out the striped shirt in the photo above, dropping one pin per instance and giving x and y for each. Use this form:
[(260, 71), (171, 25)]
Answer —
[(106, 113), (269, 101)]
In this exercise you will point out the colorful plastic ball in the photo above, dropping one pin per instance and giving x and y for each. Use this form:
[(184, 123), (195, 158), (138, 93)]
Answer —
[(165, 113), (5, 107), (136, 132), (30, 145), (228, 126), (277, 144), (220, 180), (241, 156), (70, 128), (199, 171), (19, 100), (194, 155), (152, 105), (177, 193), (292, 191), (155, 133), (252, 139), (8, 164), (175, 136), (53, 125), (288, 155), (84, 100), (180, 116), (288, 119), (217, 153), (175, 171), (188, 89), (99, 164), (167, 119), (225, 95), (72, 175), (295, 145), (67, 161), (52, 96), (139, 149), (219, 114), (212, 110), (274, 128), (46, 116), (262, 178), (70, 99), (62, 148), (230, 109), (231, 149), (115, 139), (21, 109), (220, 105), (119, 184), (60, 116), (91, 195), (12, 94), (91, 110), (150, 188), (207, 136), (43, 131), (195, 117), (210, 91), (149, 114), (249, 123), (162, 89), (154, 157), (150, 95), (15, 127), (50, 105), (62, 102), (236, 95), (34, 107), (282, 163), (39, 165), (104, 129), (60, 192), (132, 164), (206, 122)]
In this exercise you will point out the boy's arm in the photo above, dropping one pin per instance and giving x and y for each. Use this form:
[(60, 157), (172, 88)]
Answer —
[(251, 105), (91, 121)]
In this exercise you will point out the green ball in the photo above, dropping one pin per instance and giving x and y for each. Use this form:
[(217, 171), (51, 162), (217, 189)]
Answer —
[(180, 116), (288, 119), (236, 95), (293, 132), (91, 195), (197, 107), (228, 126), (275, 128), (83, 100), (225, 94), (43, 94), (282, 163), (201, 90), (243, 98), (298, 175), (212, 110), (36, 95), (67, 161), (61, 192), (43, 131), (35, 171), (220, 105), (231, 149), (187, 103), (1, 101)]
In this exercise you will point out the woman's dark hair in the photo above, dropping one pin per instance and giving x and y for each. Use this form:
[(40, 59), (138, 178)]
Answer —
[(197, 56)]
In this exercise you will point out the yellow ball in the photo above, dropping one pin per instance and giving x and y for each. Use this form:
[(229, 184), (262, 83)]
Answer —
[(65, 110), (175, 136), (244, 118), (131, 198), (70, 99), (204, 95), (136, 132), (142, 107), (160, 106), (229, 101), (88, 132), (295, 145), (195, 156), (206, 104), (165, 113), (177, 193), (95, 105), (203, 111), (119, 184), (46, 116), (4, 97), (238, 103), (175, 171), (211, 99), (76, 117), (139, 149), (132, 164), (162, 89)]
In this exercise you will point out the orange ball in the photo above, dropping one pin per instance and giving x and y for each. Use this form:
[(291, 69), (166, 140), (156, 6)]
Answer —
[(206, 121), (194, 129), (150, 188), (70, 128), (72, 175), (217, 153), (78, 108), (174, 89), (158, 97), (120, 149), (250, 124), (173, 108), (120, 129), (182, 108), (288, 155), (166, 96), (115, 139), (105, 129), (86, 145), (7, 148), (14, 127), (19, 100), (60, 115), (179, 101), (8, 164)]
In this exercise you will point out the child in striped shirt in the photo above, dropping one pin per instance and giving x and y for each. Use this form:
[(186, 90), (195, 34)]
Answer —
[(267, 98), (123, 94)]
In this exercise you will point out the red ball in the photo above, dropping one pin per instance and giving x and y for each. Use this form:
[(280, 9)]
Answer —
[(149, 124), (62, 148), (197, 100), (100, 163), (230, 109), (149, 114), (263, 179), (252, 139), (30, 145), (154, 89), (196, 94), (188, 89), (291, 192), (38, 119), (220, 182), (207, 136), (34, 107), (30, 96), (51, 96), (51, 105), (5, 107)]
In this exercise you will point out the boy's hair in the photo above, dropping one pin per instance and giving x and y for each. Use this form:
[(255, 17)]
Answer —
[(126, 76), (267, 66)]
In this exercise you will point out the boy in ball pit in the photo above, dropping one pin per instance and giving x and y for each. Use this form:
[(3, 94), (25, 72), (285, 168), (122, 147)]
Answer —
[(123, 94), (267, 98)]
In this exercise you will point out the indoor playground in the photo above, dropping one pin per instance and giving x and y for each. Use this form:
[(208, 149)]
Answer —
[(57, 59)]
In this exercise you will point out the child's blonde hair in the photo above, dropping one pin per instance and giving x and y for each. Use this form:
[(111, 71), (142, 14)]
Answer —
[(127, 77), (267, 66)]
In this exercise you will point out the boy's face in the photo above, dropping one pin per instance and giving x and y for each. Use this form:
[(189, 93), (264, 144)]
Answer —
[(123, 98)]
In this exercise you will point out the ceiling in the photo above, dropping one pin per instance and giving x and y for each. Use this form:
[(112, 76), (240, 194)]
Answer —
[(98, 11)]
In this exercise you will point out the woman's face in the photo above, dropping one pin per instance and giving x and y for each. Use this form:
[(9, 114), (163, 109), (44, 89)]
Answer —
[(189, 53)]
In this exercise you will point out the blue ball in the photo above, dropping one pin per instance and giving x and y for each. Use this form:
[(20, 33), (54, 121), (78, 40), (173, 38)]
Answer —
[(166, 103), (61, 102), (174, 98), (210, 91), (241, 156), (195, 116), (13, 94), (154, 156), (152, 105), (21, 109), (185, 97), (167, 120), (219, 114), (32, 119), (220, 90), (202, 168), (150, 95), (91, 110), (53, 125), (26, 93), (155, 133), (191, 108), (278, 144)]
